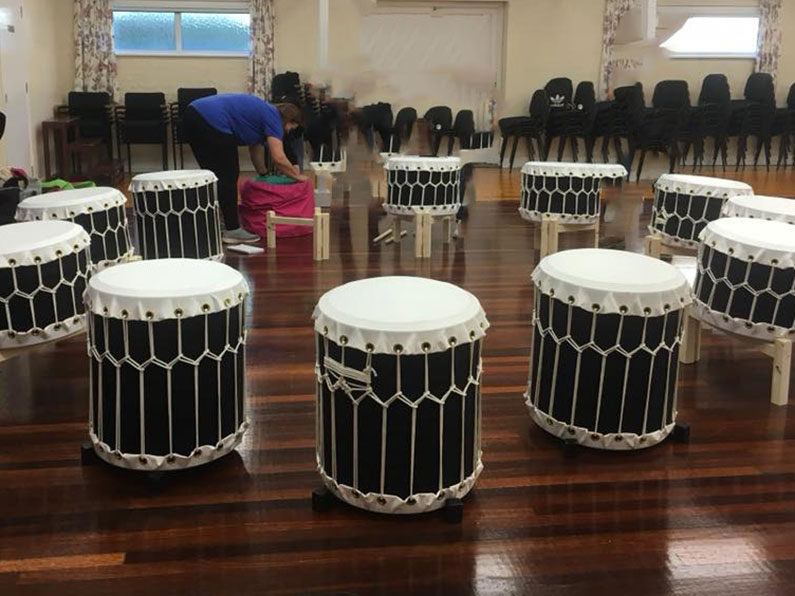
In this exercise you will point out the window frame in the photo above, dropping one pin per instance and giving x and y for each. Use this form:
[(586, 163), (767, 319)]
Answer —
[(212, 7), (714, 12)]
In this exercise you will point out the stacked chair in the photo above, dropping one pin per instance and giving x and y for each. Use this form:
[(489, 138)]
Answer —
[(531, 128)]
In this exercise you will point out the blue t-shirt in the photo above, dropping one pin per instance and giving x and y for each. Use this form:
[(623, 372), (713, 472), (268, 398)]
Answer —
[(247, 117)]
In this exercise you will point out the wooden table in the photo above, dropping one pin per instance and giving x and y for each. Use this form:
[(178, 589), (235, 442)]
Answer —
[(59, 127)]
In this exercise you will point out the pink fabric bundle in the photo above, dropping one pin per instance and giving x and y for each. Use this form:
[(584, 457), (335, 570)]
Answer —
[(289, 200)]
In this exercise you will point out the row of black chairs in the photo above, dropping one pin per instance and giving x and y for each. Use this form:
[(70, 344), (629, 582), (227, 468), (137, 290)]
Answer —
[(440, 126), (671, 125), (143, 119)]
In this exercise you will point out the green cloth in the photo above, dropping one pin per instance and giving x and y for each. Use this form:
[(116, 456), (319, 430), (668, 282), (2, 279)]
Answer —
[(274, 179), (66, 185)]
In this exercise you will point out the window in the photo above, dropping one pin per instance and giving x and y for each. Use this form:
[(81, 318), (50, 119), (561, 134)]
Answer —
[(162, 31), (723, 36)]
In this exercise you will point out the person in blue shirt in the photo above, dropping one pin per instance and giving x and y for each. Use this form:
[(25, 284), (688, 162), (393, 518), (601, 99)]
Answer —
[(216, 125)]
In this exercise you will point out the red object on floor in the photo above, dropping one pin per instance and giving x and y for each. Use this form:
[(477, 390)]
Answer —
[(289, 200)]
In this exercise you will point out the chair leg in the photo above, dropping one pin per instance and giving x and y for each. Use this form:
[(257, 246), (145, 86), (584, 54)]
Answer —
[(531, 153), (174, 150), (450, 144), (673, 158), (724, 152), (165, 155), (605, 149), (575, 150), (561, 146), (768, 142), (640, 164), (513, 150), (757, 150), (503, 147), (129, 159), (547, 148)]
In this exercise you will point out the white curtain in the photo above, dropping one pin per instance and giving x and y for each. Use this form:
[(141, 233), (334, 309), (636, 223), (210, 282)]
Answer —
[(769, 40), (614, 11), (95, 60), (261, 59)]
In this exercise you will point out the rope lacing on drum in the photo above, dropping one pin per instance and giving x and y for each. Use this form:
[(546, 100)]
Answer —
[(545, 330), (98, 350), (407, 193), (114, 237), (74, 276), (154, 222), (736, 278), (338, 377), (689, 217), (576, 206)]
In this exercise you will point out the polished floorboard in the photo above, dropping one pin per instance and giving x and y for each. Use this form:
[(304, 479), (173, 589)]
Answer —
[(715, 516)]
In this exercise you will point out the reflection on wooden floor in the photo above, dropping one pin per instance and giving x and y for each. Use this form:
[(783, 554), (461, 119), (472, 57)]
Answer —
[(716, 516)]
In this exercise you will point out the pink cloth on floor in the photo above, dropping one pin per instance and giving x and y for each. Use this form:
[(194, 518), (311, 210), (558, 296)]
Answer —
[(289, 200)]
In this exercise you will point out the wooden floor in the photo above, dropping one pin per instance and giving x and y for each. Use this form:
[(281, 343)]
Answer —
[(716, 516)]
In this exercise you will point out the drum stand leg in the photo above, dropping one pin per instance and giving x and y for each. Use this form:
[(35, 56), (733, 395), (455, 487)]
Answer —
[(782, 368), (453, 511), (322, 499), (571, 448), (422, 235), (653, 246), (88, 456), (549, 237), (447, 229), (681, 432), (596, 232), (690, 352)]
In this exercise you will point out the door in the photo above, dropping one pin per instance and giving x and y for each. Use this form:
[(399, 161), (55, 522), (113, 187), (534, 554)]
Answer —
[(15, 85)]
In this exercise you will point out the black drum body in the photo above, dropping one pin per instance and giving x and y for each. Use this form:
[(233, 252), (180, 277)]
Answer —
[(43, 301), (607, 380), (758, 297), (398, 433), (569, 199), (179, 222), (167, 394), (679, 217), (433, 190), (110, 235)]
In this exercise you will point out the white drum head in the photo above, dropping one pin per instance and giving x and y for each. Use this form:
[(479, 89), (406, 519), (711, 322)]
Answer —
[(165, 289), (69, 203), (573, 170), (752, 239), (423, 164), (761, 207), (384, 312), (702, 186), (172, 179), (26, 243), (614, 281)]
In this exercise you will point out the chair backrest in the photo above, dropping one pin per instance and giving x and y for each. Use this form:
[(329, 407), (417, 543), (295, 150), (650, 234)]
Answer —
[(628, 106), (143, 106), (539, 106), (585, 96), (791, 97), (715, 89), (286, 85), (404, 122), (2, 124), (464, 124), (440, 117), (760, 88), (89, 104), (672, 95), (560, 91), (187, 95), (379, 116)]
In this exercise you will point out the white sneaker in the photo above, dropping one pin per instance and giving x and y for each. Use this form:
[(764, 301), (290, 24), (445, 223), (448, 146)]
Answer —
[(239, 235)]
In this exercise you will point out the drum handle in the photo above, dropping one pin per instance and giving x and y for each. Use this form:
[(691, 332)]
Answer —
[(349, 373)]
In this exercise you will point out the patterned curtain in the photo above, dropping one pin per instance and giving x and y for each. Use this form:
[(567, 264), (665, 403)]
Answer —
[(769, 41), (95, 60), (261, 59), (614, 11)]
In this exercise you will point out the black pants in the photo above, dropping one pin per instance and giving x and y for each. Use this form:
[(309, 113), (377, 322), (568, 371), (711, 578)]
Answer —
[(217, 152)]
